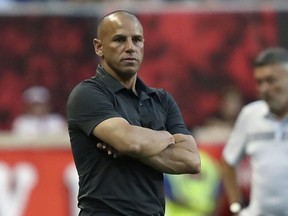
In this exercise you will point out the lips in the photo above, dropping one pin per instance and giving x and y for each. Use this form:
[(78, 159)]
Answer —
[(130, 60)]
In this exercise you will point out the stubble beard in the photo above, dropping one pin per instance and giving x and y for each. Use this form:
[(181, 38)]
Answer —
[(126, 73), (277, 108)]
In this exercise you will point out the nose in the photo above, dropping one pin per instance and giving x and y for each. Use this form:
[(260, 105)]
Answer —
[(263, 88), (129, 45)]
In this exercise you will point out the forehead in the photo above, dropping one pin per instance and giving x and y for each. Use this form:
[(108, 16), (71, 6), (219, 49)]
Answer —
[(121, 24), (272, 70)]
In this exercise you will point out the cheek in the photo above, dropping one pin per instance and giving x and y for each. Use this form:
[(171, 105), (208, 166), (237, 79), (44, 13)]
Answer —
[(285, 90), (111, 53), (278, 86), (283, 86), (141, 52), (281, 91), (112, 48)]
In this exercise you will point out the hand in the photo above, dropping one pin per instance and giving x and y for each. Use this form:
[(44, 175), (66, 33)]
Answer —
[(110, 150)]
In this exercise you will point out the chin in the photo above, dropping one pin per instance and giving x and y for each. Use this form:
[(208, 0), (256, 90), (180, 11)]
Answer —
[(127, 74), (277, 110)]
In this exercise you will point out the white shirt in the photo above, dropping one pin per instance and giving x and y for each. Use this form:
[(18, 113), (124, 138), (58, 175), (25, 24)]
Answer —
[(265, 140), (29, 125)]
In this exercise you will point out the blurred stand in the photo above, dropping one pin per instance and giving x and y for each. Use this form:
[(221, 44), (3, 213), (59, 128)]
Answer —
[(96, 7), (10, 141), (216, 129), (194, 195), (214, 133)]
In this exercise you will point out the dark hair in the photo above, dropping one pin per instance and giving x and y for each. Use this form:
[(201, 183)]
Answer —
[(270, 56)]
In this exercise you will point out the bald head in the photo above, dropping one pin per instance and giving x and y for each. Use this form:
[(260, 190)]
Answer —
[(116, 17)]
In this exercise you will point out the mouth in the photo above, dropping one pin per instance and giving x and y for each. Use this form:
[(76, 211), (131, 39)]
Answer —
[(267, 97), (130, 60)]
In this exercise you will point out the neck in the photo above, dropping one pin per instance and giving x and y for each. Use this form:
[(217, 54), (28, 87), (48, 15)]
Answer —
[(126, 79)]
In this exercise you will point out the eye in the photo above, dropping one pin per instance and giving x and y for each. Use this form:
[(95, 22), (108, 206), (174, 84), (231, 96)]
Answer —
[(271, 80), (137, 39), (119, 39)]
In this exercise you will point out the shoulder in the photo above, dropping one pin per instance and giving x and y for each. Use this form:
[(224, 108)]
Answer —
[(158, 90), (252, 112), (255, 108), (164, 97), (85, 84), (161, 93), (87, 88)]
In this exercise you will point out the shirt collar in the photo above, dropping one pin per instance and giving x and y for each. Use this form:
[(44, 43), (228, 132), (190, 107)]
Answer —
[(109, 80), (116, 86)]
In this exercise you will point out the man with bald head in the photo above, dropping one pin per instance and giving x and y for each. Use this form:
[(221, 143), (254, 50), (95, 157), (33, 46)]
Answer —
[(124, 134)]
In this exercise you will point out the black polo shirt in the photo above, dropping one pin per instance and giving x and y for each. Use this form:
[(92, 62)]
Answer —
[(122, 185)]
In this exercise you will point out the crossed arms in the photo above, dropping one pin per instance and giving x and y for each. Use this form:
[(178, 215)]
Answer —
[(174, 154)]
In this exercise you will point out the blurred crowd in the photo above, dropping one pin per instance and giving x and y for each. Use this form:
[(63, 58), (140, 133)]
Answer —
[(37, 118), (34, 53)]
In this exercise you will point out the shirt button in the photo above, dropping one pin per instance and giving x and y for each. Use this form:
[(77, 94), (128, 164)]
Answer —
[(140, 104)]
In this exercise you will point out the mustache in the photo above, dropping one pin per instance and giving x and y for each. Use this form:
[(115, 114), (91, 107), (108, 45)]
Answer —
[(266, 96)]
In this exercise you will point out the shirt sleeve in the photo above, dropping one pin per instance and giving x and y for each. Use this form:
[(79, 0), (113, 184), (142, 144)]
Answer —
[(89, 105), (235, 147), (174, 123)]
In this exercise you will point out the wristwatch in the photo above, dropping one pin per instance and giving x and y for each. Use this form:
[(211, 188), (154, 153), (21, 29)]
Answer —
[(235, 207)]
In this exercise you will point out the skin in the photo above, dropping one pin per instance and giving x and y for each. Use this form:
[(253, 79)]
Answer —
[(272, 85), (120, 45)]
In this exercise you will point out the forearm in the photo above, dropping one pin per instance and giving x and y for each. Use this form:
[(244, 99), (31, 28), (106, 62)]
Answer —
[(132, 140), (182, 157), (148, 141), (230, 182)]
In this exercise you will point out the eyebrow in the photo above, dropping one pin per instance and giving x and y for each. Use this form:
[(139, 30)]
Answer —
[(123, 35), (136, 35)]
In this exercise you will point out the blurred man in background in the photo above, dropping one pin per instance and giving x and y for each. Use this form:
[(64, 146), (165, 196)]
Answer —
[(37, 119), (261, 132)]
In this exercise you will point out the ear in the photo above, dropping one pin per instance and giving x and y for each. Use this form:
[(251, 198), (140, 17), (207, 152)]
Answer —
[(98, 47)]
